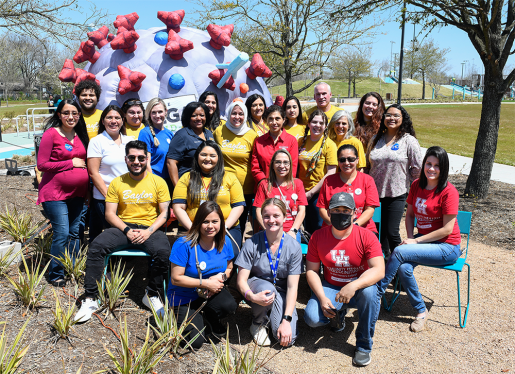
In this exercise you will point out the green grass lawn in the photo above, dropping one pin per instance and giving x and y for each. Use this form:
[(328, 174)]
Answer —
[(18, 108), (455, 127)]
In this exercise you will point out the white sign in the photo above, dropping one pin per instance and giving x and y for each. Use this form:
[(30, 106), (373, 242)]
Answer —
[(175, 105)]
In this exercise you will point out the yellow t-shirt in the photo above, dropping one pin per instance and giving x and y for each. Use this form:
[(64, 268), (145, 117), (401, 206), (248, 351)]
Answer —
[(297, 131), (134, 133), (138, 201), (329, 113), (92, 123), (237, 151), (359, 146), (229, 196), (327, 158), (261, 128)]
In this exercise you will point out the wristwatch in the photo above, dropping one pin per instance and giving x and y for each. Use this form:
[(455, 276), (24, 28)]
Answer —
[(287, 318), (294, 230), (126, 230)]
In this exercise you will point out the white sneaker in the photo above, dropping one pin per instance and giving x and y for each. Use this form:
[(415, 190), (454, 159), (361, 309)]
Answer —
[(156, 304), (260, 335), (88, 307)]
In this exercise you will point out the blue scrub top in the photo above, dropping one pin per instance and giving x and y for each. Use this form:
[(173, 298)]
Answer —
[(158, 154)]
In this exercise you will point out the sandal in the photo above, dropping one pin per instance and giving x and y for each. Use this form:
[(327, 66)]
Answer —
[(419, 323)]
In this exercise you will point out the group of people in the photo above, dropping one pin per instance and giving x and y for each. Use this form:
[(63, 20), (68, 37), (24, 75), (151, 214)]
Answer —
[(280, 168)]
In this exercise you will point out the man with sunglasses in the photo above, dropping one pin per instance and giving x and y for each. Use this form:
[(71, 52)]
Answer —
[(136, 207), (353, 264)]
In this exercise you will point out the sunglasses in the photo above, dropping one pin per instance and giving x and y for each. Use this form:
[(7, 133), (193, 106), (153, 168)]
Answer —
[(132, 158), (134, 102), (350, 159)]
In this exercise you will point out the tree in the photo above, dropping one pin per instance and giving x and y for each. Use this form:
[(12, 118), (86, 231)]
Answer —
[(354, 64), (294, 36), (490, 26)]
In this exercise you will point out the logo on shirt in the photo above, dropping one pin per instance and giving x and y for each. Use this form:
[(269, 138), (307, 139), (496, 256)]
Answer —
[(235, 147), (137, 198), (395, 147), (68, 147), (92, 126), (421, 206), (340, 260)]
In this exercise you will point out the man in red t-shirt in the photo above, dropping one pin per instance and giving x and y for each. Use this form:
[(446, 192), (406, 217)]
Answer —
[(353, 264)]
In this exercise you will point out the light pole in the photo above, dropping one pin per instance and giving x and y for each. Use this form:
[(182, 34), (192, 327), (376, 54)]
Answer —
[(392, 67), (462, 65), (401, 58)]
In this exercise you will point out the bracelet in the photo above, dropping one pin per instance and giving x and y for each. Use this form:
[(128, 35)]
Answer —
[(245, 296)]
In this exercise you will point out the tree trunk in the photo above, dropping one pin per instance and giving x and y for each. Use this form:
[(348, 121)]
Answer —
[(354, 87), (478, 181), (349, 85), (287, 78), (423, 85)]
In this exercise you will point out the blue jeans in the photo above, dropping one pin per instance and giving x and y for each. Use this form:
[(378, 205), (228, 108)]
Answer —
[(313, 221), (97, 220), (406, 257), (65, 217), (366, 300)]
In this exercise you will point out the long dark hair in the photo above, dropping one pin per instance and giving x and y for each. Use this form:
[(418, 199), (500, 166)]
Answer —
[(80, 128), (188, 110), (443, 164), (299, 117), (248, 103), (405, 128), (364, 132), (116, 108), (215, 117), (203, 211), (217, 175)]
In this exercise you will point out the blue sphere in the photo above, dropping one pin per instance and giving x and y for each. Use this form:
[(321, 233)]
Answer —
[(161, 38), (176, 81)]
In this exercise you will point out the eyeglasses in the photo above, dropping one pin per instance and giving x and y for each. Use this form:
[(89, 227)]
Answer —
[(132, 158), (396, 116), (68, 114), (349, 159), (279, 163)]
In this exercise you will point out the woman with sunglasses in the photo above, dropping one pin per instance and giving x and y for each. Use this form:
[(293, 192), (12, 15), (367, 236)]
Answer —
[(134, 114), (433, 202), (348, 179), (341, 131), (208, 181), (106, 161), (394, 161), (281, 184), (368, 117), (64, 185)]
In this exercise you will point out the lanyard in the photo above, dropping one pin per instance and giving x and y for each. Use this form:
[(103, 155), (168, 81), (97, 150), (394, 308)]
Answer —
[(206, 188), (272, 265)]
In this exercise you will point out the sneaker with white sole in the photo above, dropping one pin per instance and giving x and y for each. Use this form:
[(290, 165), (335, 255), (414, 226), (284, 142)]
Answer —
[(156, 303), (260, 335), (87, 308), (361, 358)]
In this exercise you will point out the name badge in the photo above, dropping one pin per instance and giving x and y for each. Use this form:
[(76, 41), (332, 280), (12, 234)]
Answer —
[(358, 191), (202, 265), (68, 147)]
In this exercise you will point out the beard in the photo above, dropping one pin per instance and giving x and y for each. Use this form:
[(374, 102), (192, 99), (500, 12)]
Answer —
[(138, 173)]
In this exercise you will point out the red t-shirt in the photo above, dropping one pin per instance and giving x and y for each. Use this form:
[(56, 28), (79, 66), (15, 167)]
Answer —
[(429, 209), (344, 260), (292, 205), (363, 189)]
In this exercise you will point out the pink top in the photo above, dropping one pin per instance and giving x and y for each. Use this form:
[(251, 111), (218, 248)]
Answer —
[(61, 181)]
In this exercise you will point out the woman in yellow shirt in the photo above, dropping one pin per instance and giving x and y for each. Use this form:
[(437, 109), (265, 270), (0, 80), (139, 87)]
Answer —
[(293, 110), (208, 180), (236, 139), (341, 131), (256, 108), (134, 117), (317, 159)]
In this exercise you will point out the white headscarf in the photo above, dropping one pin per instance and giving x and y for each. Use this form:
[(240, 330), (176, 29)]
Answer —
[(244, 128)]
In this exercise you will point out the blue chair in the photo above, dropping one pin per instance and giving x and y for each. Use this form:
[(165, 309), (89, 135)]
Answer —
[(464, 222), (128, 250)]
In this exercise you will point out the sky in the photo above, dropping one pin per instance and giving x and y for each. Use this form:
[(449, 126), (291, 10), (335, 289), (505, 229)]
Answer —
[(460, 47)]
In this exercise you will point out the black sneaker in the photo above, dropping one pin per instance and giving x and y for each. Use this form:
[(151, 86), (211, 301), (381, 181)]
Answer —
[(361, 358)]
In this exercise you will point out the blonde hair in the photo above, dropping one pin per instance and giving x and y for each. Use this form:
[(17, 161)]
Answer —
[(274, 201), (151, 104)]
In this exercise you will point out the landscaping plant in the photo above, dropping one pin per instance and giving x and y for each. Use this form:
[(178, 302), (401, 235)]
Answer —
[(11, 357), (74, 264), (42, 245), (7, 259), (115, 286), (18, 225), (63, 319), (26, 285)]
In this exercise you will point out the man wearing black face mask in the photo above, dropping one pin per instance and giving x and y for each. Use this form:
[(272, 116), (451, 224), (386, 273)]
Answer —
[(353, 264)]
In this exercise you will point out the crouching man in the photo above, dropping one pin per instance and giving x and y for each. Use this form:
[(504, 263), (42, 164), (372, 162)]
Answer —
[(353, 264), (136, 206)]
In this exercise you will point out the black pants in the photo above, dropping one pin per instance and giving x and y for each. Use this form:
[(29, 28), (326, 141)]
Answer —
[(97, 219), (392, 209), (217, 307), (156, 245), (249, 200)]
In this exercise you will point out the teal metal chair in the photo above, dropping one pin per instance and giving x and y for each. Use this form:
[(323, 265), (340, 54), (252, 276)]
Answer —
[(128, 250), (377, 219), (464, 222)]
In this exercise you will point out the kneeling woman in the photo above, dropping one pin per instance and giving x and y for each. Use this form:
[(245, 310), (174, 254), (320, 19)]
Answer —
[(269, 268), (208, 180), (433, 201), (201, 262)]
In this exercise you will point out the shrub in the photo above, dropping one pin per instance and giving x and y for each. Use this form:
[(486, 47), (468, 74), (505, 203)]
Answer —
[(63, 319), (74, 265), (18, 225), (26, 285), (11, 357), (114, 287)]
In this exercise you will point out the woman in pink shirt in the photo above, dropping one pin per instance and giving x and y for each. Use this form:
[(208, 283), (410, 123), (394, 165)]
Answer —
[(64, 186)]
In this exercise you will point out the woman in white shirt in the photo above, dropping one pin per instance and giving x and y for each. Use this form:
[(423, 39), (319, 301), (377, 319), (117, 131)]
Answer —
[(106, 161)]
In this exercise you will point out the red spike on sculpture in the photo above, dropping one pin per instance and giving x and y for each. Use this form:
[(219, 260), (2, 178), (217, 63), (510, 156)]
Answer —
[(68, 73), (279, 100), (258, 68), (172, 20), (84, 75), (86, 52), (99, 37), (217, 74), (128, 21), (220, 35), (129, 80), (176, 45), (125, 40), (110, 37)]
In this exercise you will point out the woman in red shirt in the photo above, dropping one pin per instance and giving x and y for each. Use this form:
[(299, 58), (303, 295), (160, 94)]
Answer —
[(64, 186), (433, 201), (282, 185), (360, 185)]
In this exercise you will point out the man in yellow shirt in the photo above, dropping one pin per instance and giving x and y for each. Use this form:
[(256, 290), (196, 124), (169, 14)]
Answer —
[(88, 92), (136, 207), (323, 99)]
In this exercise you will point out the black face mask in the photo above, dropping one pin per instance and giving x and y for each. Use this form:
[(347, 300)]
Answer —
[(341, 221)]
